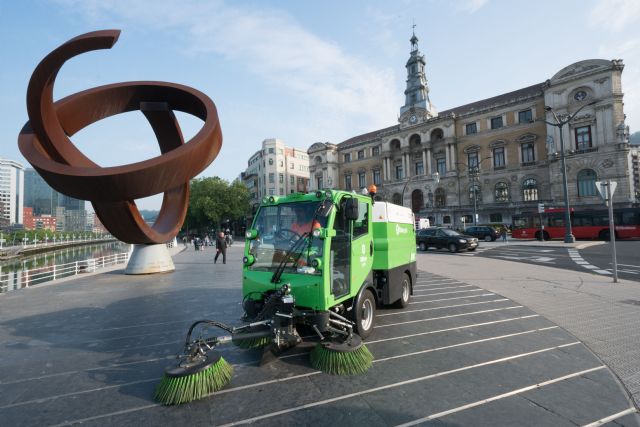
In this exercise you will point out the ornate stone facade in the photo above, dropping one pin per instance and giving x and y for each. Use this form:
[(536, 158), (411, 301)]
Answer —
[(497, 152)]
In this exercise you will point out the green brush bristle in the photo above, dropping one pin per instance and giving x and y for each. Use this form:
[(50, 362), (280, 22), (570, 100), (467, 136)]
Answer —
[(341, 363), (252, 343), (177, 390)]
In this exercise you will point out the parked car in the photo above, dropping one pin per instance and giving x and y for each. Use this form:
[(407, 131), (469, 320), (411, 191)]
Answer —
[(440, 237), (484, 232)]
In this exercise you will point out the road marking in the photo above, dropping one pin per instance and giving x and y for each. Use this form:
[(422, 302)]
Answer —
[(393, 385), (439, 289), (449, 299), (440, 308), (611, 418), (274, 381), (473, 325), (446, 293), (499, 396), (446, 317), (629, 265), (577, 258)]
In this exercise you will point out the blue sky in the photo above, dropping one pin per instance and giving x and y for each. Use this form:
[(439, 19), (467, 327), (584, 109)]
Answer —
[(303, 71)]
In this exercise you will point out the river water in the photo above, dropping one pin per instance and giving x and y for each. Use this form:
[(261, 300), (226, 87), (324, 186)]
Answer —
[(12, 271)]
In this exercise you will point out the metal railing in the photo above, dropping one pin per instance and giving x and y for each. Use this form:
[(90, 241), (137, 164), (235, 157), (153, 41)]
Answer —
[(19, 279)]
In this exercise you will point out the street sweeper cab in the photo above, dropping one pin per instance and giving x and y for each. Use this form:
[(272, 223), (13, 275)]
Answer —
[(315, 268), (339, 254)]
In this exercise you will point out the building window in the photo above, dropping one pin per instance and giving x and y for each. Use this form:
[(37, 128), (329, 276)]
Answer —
[(347, 182), (496, 122), (441, 166), (441, 198), (319, 182), (360, 154), (525, 116), (472, 160), (419, 168), (446, 219), (530, 190), (498, 157), (281, 163), (475, 190), (375, 151), (376, 177), (528, 155), (270, 161), (495, 217), (587, 183), (362, 179), (271, 151), (281, 178), (272, 177), (292, 166), (281, 191), (397, 199), (467, 219), (583, 137), (502, 192), (347, 157), (292, 180), (471, 128), (272, 191), (399, 172)]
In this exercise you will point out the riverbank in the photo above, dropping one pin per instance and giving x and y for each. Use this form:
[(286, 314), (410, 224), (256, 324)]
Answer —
[(13, 252)]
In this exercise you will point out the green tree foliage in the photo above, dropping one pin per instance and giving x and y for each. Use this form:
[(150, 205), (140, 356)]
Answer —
[(212, 201)]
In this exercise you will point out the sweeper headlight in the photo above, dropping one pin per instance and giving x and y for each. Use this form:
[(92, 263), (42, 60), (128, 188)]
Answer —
[(317, 232), (316, 263), (251, 234), (248, 260), (319, 194)]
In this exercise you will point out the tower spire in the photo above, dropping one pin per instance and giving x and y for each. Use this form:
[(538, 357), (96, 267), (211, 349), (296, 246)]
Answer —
[(417, 91)]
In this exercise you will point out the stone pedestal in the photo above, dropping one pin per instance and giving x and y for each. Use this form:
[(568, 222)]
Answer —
[(149, 259)]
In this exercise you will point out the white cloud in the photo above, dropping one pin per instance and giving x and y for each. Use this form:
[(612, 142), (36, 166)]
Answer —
[(471, 6), (270, 43), (614, 15)]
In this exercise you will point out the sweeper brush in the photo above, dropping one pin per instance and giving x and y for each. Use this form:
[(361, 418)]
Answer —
[(194, 379), (347, 358)]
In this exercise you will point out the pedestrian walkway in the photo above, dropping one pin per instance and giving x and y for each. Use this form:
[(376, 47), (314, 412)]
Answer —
[(92, 350), (602, 314)]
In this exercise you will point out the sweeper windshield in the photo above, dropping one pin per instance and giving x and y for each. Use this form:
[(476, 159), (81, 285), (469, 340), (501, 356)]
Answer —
[(280, 228)]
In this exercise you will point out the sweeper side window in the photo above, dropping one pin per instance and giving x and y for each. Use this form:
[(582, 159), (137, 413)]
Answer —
[(341, 253)]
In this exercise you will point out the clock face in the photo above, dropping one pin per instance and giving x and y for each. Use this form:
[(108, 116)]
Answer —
[(580, 95), (413, 118)]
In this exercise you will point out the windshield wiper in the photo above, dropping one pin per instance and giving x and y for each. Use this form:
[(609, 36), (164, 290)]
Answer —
[(283, 264)]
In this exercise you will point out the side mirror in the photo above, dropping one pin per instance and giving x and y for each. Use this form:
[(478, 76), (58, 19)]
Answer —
[(351, 209)]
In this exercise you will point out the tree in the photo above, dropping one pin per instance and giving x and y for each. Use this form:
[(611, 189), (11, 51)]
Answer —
[(212, 201)]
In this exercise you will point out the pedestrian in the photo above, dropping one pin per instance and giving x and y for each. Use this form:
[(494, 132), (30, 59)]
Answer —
[(504, 234), (221, 247)]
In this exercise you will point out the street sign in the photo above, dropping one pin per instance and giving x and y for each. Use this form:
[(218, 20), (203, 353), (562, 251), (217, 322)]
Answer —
[(540, 207), (602, 190)]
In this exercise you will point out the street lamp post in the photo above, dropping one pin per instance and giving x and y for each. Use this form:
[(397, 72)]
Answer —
[(474, 173), (559, 121)]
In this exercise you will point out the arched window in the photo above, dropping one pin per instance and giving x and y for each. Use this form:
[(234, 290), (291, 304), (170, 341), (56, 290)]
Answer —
[(437, 134), (530, 190), (417, 200), (318, 160), (475, 190), (587, 183), (441, 198), (397, 199), (502, 192), (414, 141)]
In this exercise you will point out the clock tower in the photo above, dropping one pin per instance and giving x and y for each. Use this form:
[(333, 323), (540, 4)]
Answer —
[(417, 106)]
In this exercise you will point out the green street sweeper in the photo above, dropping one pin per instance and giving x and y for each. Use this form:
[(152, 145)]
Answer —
[(316, 266)]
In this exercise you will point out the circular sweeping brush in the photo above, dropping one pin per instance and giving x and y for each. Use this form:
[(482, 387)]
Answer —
[(342, 358), (193, 378)]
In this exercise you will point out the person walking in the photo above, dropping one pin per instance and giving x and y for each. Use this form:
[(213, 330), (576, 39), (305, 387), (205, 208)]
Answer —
[(221, 247), (504, 234)]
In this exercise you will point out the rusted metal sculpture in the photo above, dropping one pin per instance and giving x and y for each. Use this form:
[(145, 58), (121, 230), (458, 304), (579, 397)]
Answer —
[(44, 142)]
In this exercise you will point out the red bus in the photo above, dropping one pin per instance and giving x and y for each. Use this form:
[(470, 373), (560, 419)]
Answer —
[(587, 224)]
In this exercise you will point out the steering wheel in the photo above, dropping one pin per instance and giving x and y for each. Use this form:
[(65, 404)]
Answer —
[(288, 234)]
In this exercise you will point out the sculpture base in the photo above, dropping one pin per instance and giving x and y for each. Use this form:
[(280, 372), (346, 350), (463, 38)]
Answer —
[(149, 259)]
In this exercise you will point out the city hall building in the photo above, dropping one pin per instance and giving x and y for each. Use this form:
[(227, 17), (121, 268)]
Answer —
[(496, 157)]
